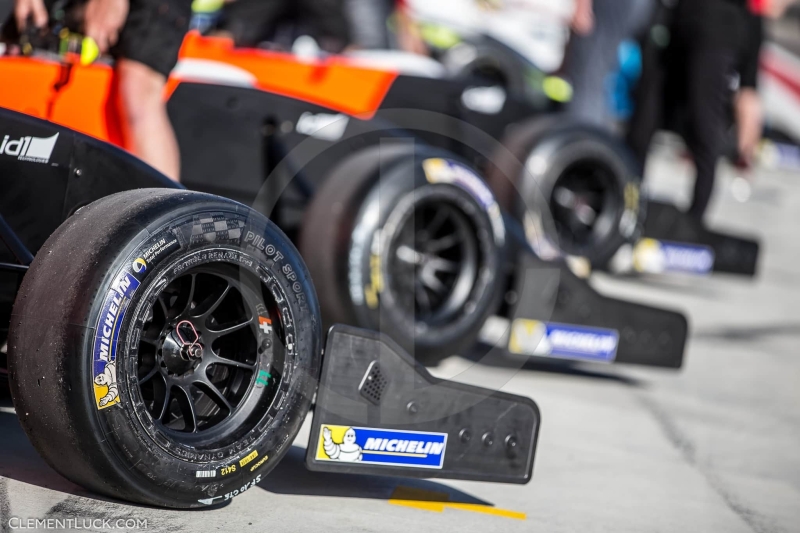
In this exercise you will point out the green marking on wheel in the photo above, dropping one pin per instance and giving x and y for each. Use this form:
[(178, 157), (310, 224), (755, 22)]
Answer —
[(263, 378)]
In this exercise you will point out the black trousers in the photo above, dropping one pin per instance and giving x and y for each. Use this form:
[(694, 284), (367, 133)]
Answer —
[(686, 88), (253, 21)]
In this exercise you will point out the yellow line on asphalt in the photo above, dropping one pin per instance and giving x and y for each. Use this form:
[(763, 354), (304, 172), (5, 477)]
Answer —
[(437, 502)]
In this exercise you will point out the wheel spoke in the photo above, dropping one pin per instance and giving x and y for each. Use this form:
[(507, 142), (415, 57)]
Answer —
[(575, 224), (151, 342), (211, 390), (147, 377), (585, 215), (163, 305), (443, 244), (565, 197), (167, 400), (148, 317), (443, 265), (436, 222), (422, 299), (429, 280), (213, 334), (409, 255), (186, 404), (217, 360), (189, 299), (206, 313)]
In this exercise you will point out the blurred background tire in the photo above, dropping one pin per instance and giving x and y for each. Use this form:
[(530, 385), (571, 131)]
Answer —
[(408, 241), (577, 180)]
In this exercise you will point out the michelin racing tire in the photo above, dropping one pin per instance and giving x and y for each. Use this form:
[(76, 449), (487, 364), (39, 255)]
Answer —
[(408, 241), (165, 347), (574, 183)]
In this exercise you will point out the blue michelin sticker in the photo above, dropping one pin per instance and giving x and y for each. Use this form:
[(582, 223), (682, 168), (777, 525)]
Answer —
[(387, 447), (547, 339), (104, 378), (656, 257)]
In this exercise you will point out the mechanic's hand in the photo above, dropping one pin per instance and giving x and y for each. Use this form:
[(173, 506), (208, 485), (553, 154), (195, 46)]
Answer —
[(583, 18), (30, 8), (749, 123), (103, 21)]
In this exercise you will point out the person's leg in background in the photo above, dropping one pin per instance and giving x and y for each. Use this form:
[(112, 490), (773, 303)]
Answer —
[(147, 131), (709, 94), (652, 94), (146, 53), (592, 54), (647, 114)]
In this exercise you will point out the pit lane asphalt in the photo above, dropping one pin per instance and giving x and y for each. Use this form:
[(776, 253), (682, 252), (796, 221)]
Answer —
[(712, 448)]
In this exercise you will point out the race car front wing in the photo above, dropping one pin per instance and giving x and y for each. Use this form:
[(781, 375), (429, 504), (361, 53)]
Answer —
[(379, 412), (676, 242), (553, 315)]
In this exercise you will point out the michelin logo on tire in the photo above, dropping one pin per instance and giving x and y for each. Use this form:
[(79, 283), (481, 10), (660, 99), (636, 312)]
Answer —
[(104, 355), (371, 446), (33, 149)]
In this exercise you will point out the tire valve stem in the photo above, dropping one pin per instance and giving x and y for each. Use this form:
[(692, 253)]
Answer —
[(189, 350)]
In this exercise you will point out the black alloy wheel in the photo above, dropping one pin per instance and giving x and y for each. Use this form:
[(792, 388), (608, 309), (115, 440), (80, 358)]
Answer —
[(584, 204), (436, 262), (204, 366)]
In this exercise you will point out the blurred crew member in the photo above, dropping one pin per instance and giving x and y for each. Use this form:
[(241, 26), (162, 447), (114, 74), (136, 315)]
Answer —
[(368, 23), (144, 36), (369, 26), (598, 29), (251, 22), (707, 54)]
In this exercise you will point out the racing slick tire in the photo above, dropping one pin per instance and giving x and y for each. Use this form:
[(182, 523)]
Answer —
[(575, 183), (408, 241), (486, 64), (165, 347)]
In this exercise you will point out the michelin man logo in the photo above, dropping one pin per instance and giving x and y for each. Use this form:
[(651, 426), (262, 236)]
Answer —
[(529, 337), (108, 379), (649, 257), (347, 450)]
